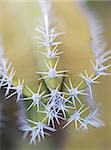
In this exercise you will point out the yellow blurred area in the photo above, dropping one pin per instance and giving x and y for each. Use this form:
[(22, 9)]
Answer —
[(17, 23), (18, 26)]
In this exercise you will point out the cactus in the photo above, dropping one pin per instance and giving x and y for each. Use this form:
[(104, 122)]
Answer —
[(57, 98)]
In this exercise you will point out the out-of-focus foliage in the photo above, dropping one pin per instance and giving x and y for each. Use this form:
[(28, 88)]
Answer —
[(18, 22)]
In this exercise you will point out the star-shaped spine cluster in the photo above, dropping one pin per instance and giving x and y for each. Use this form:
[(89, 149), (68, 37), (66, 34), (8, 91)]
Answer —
[(66, 103)]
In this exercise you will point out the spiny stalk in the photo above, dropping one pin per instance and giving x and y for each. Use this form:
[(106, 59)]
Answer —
[(57, 104)]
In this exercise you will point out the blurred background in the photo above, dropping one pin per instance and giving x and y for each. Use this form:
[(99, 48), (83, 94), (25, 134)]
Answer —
[(17, 23)]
